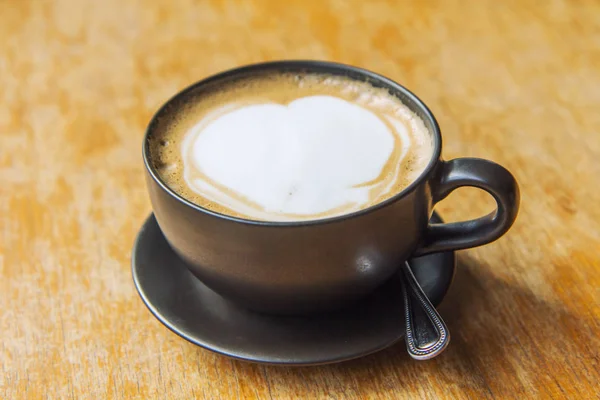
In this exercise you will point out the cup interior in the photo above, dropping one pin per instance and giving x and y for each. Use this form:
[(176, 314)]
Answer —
[(298, 66)]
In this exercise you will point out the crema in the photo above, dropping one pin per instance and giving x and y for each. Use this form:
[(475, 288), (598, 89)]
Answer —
[(289, 147)]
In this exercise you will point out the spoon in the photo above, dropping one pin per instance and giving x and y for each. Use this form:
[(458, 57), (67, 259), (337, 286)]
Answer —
[(426, 333)]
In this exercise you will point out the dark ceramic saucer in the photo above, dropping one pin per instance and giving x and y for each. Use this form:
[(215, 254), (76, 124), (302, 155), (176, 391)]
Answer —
[(196, 313)]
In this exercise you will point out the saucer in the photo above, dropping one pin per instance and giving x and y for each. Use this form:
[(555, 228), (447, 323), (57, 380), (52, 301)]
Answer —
[(196, 313)]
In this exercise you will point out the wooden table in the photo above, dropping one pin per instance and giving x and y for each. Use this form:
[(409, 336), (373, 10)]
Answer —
[(517, 82)]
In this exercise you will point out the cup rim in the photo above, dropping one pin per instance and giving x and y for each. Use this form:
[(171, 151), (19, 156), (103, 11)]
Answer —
[(321, 66)]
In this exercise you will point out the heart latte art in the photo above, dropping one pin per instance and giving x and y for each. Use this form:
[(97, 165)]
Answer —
[(285, 149), (317, 155)]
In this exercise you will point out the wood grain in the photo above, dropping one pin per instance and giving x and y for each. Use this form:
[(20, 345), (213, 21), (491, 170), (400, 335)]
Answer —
[(515, 81)]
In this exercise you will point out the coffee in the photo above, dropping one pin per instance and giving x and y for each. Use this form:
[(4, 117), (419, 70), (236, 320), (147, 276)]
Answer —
[(289, 147)]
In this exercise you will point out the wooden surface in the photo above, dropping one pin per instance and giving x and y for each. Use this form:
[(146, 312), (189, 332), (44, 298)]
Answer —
[(517, 82)]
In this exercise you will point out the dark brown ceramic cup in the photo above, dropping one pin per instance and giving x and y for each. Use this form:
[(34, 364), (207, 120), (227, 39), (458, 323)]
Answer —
[(311, 266)]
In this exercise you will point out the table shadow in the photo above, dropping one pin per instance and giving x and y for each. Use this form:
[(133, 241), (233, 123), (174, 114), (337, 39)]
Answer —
[(486, 317)]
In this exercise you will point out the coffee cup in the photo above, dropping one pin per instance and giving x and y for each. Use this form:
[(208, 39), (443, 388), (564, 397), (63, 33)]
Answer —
[(294, 264)]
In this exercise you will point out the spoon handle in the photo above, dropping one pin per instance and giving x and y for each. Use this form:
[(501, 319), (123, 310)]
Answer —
[(426, 333)]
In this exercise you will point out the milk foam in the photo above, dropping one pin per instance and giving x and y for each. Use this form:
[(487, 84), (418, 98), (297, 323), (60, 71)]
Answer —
[(314, 155), (285, 147)]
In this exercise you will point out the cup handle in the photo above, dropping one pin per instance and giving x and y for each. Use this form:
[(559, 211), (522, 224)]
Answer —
[(483, 174)]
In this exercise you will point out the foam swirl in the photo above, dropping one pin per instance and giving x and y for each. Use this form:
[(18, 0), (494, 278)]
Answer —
[(287, 147), (316, 157)]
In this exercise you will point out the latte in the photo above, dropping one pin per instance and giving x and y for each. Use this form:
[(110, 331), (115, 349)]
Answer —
[(289, 147)]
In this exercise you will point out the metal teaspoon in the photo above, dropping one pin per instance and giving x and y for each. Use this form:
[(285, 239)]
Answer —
[(426, 333)]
